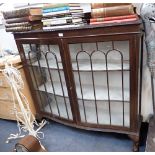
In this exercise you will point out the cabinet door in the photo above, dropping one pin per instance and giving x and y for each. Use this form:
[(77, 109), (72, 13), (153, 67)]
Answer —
[(47, 77), (101, 72)]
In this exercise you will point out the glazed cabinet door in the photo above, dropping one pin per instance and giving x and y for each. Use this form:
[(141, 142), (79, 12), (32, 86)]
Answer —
[(44, 66), (101, 72)]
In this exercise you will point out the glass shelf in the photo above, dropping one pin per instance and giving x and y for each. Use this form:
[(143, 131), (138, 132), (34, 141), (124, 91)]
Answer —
[(84, 65), (61, 107), (103, 112), (88, 93)]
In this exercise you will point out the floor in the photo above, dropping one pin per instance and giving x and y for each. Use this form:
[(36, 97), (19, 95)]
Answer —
[(61, 138)]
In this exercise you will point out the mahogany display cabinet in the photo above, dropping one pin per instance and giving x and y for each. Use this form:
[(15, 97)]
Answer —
[(87, 77)]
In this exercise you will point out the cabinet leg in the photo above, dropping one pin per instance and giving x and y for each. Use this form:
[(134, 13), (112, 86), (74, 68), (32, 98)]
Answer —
[(135, 140)]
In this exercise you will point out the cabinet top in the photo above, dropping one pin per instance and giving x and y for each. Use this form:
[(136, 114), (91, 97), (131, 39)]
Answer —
[(137, 22)]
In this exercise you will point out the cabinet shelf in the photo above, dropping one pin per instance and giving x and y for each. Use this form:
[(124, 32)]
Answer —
[(88, 94), (103, 113), (84, 65)]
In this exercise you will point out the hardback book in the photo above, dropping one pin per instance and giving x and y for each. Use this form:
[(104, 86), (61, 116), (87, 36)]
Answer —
[(56, 9), (24, 28), (22, 13), (23, 24), (112, 11), (103, 5), (114, 21), (113, 18), (23, 19), (18, 29)]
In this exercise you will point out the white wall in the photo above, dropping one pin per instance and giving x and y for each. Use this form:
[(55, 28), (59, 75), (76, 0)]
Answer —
[(7, 41)]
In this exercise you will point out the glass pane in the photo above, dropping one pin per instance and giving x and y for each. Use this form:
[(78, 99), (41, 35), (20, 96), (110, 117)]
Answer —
[(101, 74), (48, 79)]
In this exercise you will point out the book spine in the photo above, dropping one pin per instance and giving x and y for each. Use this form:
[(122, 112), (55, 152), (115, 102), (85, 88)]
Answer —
[(55, 13), (102, 5), (74, 4), (55, 19), (56, 22), (17, 24), (16, 13), (114, 21), (17, 20), (55, 9), (18, 29), (112, 18), (113, 11), (56, 16), (62, 26), (54, 5)]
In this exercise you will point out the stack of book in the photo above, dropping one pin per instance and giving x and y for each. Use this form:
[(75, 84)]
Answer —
[(102, 13), (62, 15), (23, 19)]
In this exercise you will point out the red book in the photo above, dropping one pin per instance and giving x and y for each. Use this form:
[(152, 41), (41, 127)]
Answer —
[(114, 21), (113, 18)]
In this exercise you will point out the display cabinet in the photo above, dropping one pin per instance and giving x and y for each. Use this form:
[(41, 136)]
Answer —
[(87, 77)]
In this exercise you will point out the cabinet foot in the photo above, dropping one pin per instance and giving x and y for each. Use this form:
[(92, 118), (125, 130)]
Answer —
[(135, 140)]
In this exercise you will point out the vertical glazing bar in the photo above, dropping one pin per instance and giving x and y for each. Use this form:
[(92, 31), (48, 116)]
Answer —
[(34, 75), (94, 89), (43, 82), (61, 84), (52, 83), (122, 84), (96, 46), (112, 45), (108, 86), (78, 71)]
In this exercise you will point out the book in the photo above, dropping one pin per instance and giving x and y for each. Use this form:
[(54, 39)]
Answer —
[(56, 13), (74, 4), (114, 21), (74, 8), (54, 5), (23, 24), (22, 13), (76, 11), (18, 29), (23, 28), (56, 9), (62, 15), (23, 19), (61, 22), (102, 5), (57, 22), (113, 18), (54, 19), (112, 11), (62, 26)]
